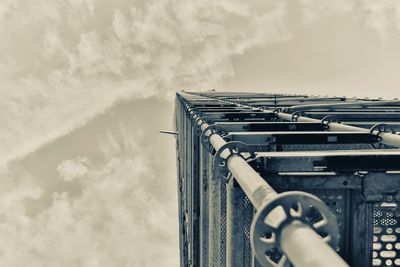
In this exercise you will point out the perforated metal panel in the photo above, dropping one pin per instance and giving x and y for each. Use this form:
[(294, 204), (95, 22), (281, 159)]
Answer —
[(324, 147), (336, 201), (248, 215), (223, 225), (386, 234)]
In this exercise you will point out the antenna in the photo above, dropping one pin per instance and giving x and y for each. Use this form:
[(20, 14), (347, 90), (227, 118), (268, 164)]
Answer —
[(169, 132)]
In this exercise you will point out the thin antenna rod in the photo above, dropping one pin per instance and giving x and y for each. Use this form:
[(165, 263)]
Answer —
[(168, 132)]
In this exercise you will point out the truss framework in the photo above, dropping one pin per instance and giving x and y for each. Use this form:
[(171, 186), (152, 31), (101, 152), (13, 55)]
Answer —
[(324, 169)]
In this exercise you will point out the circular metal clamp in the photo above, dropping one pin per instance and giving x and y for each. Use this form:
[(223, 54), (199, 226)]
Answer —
[(199, 121), (377, 129), (381, 128), (208, 132), (268, 224), (275, 112), (328, 119), (191, 112), (195, 115), (296, 115), (228, 150)]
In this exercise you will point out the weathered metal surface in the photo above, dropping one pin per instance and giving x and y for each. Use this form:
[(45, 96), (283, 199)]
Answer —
[(358, 181), (235, 220), (257, 190)]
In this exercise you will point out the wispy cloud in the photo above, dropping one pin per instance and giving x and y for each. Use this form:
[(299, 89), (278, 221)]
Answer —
[(64, 62), (100, 202)]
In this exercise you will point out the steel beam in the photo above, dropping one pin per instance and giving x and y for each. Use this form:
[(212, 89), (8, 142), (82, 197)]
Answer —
[(272, 126), (302, 137), (358, 104), (386, 138)]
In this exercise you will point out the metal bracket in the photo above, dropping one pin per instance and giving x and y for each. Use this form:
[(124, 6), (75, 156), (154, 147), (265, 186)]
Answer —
[(297, 206), (194, 118), (381, 128), (275, 112), (328, 119), (191, 112), (195, 115), (208, 132), (228, 150), (296, 115), (377, 129), (199, 121)]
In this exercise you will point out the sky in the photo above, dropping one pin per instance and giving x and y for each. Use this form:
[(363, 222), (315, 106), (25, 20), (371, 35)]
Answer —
[(85, 85)]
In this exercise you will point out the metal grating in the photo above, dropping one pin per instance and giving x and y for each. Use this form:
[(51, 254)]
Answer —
[(248, 215), (324, 147), (223, 225), (386, 238), (336, 201)]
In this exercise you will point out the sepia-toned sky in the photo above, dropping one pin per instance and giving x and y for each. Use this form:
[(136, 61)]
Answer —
[(85, 85)]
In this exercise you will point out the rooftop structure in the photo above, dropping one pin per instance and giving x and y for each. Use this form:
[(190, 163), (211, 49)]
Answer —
[(281, 180)]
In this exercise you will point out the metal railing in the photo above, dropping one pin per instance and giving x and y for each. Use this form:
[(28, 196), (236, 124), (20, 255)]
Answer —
[(387, 136)]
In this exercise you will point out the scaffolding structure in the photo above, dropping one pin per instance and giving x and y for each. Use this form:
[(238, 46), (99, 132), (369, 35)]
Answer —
[(287, 180)]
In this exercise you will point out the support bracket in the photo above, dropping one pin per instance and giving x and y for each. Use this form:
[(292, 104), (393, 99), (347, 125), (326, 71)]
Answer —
[(195, 115), (275, 112), (199, 121), (328, 119), (208, 132), (296, 115), (377, 129)]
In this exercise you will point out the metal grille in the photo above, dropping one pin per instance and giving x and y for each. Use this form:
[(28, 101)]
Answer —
[(325, 147), (386, 238), (336, 201), (248, 215), (223, 225)]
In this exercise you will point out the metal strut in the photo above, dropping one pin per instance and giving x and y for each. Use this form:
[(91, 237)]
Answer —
[(281, 220)]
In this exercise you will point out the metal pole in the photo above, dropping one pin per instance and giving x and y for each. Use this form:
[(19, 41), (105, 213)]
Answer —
[(299, 243), (387, 138), (259, 192)]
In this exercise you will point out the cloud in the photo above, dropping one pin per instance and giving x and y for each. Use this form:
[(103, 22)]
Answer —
[(66, 63), (85, 55), (383, 16), (110, 207), (69, 170)]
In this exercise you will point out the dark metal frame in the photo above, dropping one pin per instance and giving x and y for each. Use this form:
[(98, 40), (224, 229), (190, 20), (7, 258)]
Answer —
[(368, 180)]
